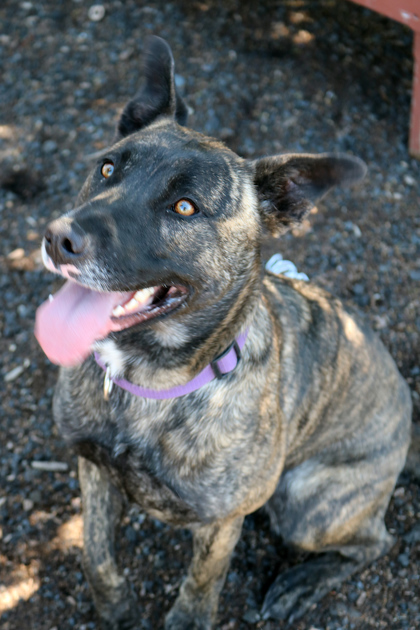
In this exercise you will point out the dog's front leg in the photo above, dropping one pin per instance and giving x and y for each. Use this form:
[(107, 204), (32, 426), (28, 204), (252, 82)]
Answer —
[(102, 506), (196, 605)]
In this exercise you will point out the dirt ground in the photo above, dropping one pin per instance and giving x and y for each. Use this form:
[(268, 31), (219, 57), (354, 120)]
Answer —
[(266, 77)]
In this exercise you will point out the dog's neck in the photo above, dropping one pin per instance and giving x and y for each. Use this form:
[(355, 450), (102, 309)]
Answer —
[(170, 364), (174, 350)]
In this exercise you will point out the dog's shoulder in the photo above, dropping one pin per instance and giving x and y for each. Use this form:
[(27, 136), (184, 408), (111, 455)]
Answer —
[(300, 305), (322, 329), (309, 305)]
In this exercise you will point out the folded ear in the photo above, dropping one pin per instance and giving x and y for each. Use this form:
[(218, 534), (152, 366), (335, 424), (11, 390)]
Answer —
[(289, 185), (158, 97)]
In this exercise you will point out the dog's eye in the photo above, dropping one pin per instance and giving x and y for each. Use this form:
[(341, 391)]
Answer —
[(107, 169), (185, 208)]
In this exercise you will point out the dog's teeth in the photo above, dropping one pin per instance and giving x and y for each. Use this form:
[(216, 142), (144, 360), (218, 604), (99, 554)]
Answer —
[(131, 306), (139, 299), (118, 311), (144, 294)]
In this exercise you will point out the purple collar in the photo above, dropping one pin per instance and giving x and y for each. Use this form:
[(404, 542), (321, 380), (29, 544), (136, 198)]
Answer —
[(219, 368)]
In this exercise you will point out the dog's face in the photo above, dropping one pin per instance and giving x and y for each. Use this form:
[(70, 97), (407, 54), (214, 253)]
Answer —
[(164, 207), (168, 224)]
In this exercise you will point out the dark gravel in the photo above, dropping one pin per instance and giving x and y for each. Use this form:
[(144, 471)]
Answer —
[(266, 77)]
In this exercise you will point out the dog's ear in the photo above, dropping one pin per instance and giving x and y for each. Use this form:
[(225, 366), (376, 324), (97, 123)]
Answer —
[(289, 185), (159, 96)]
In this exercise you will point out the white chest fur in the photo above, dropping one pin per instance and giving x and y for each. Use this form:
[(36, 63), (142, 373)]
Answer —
[(111, 356)]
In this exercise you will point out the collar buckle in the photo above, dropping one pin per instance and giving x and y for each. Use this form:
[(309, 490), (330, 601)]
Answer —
[(215, 363)]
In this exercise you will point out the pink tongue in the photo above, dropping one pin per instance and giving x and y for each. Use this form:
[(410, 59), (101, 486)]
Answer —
[(67, 326)]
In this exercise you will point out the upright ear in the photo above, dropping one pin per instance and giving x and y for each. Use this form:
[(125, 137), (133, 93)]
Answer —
[(158, 96), (289, 185)]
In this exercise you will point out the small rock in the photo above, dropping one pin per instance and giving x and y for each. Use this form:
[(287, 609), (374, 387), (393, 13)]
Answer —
[(357, 231), (49, 146), (16, 254), (13, 374), (251, 616), (358, 289), (22, 310), (415, 275), (179, 81), (36, 496), (149, 11), (339, 609), (50, 466), (96, 12), (353, 613), (27, 505), (404, 560), (414, 535), (21, 262), (380, 321), (410, 181), (352, 227), (125, 54)]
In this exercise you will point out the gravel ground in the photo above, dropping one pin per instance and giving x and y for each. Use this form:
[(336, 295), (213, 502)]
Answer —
[(265, 77)]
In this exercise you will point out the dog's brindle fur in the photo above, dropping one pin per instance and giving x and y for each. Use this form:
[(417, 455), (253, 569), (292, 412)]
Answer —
[(314, 422)]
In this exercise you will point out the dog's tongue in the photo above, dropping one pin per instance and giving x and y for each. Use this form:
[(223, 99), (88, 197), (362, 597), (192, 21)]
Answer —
[(67, 326)]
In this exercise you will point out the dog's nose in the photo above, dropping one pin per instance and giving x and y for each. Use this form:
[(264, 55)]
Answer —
[(65, 241)]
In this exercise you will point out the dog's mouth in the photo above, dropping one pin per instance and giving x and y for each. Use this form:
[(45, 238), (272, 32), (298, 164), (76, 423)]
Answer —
[(146, 304), (74, 318)]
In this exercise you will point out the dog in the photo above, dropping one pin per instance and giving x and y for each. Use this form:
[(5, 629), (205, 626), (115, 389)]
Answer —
[(202, 387)]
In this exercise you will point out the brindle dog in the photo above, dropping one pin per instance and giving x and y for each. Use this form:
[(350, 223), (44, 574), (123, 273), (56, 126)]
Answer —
[(313, 421)]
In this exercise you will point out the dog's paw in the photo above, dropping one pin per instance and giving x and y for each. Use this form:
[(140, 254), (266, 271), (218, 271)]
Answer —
[(296, 590), (178, 619), (285, 596)]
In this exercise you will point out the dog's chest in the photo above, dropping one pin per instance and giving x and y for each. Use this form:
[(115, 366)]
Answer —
[(154, 453), (138, 475)]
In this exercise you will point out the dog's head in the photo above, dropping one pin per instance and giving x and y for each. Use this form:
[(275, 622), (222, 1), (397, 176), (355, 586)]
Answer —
[(168, 225)]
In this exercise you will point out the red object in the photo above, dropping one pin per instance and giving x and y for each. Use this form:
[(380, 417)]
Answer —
[(407, 12)]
